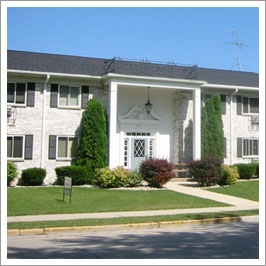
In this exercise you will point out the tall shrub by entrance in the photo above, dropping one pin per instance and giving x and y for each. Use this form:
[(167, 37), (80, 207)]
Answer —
[(212, 134), (93, 149)]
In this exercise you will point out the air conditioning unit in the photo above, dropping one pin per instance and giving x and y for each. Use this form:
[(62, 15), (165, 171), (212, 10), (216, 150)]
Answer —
[(255, 120), (9, 112)]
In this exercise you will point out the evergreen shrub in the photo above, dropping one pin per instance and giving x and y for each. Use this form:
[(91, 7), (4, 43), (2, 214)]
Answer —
[(78, 174), (156, 172), (246, 170), (205, 171), (228, 175), (33, 176), (93, 149), (11, 172)]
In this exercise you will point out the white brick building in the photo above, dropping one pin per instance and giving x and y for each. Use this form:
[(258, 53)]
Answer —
[(47, 94)]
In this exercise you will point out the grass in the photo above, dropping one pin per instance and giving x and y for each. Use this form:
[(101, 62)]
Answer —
[(242, 189), (49, 200), (128, 220)]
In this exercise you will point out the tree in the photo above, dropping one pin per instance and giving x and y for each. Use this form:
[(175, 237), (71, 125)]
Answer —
[(212, 134), (93, 149)]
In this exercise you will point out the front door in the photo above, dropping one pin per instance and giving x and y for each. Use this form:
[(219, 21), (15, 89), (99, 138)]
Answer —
[(138, 151)]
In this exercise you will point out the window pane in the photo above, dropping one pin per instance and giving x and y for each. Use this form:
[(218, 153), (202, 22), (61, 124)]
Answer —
[(63, 95), (9, 147), (255, 148), (74, 94), (245, 147), (20, 93), (254, 105), (10, 92), (245, 104), (18, 147), (72, 147), (139, 148), (62, 147)]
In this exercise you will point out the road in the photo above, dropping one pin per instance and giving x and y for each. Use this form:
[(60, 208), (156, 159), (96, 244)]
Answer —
[(234, 240)]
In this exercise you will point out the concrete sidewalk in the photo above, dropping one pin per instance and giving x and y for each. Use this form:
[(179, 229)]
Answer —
[(185, 187)]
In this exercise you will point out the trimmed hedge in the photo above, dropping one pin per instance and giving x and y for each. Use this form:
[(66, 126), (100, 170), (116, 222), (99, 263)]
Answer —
[(247, 170), (33, 176), (78, 174)]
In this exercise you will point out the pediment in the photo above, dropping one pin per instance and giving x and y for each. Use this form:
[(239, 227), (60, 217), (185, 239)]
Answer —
[(138, 115)]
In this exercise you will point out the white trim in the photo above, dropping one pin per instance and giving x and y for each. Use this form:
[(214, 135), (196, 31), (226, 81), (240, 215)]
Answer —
[(228, 87), (197, 124), (113, 75)]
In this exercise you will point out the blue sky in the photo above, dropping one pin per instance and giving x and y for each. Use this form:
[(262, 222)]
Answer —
[(193, 35)]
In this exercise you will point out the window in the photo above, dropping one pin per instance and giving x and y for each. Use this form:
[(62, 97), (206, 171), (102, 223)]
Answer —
[(246, 105), (20, 147), (250, 147), (67, 147), (247, 147), (69, 96), (15, 147), (63, 147), (16, 93)]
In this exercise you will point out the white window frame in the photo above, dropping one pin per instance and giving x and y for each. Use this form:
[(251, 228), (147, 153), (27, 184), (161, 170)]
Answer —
[(15, 94), (23, 148), (57, 148), (68, 105), (249, 148)]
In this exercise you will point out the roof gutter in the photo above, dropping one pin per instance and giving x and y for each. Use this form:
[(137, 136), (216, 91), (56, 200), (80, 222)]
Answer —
[(54, 74), (228, 87)]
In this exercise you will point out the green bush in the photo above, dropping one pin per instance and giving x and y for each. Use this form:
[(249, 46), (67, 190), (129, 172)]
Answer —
[(246, 170), (78, 174), (33, 176), (205, 171), (93, 149), (228, 175), (156, 172), (112, 178), (134, 178), (11, 171)]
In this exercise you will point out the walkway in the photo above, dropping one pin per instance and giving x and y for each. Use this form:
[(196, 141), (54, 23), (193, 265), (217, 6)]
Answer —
[(182, 187)]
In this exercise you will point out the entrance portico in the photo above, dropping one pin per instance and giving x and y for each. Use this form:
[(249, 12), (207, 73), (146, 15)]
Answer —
[(134, 134)]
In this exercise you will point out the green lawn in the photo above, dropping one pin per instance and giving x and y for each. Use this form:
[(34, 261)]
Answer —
[(49, 200), (242, 189)]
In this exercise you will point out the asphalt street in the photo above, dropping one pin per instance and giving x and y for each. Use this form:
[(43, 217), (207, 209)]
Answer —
[(222, 241)]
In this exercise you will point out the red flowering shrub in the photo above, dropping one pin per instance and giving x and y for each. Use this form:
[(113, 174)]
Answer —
[(206, 171), (156, 172)]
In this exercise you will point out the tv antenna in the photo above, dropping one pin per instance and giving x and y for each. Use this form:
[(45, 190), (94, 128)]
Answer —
[(238, 45)]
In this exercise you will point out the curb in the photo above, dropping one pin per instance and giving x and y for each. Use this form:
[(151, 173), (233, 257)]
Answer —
[(55, 230)]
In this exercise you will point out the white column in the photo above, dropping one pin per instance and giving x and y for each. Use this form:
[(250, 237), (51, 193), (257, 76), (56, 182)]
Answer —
[(197, 124), (113, 144)]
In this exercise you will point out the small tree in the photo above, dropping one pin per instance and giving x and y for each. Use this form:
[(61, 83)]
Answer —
[(93, 149)]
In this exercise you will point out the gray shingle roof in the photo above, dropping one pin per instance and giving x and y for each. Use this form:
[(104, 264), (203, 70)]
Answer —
[(41, 62)]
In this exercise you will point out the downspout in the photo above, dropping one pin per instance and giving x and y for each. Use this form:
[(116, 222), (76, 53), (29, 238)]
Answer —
[(43, 120), (231, 131)]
